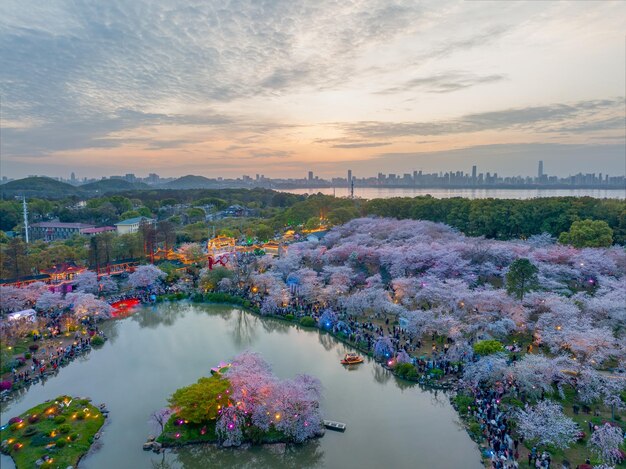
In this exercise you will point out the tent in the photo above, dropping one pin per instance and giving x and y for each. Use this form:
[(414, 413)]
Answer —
[(26, 314)]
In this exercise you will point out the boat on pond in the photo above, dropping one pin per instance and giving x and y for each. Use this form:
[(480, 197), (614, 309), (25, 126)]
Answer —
[(351, 359), (216, 370)]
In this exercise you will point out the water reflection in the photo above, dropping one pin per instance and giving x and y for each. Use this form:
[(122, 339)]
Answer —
[(308, 455), (165, 347), (327, 341), (381, 375), (243, 328), (163, 314)]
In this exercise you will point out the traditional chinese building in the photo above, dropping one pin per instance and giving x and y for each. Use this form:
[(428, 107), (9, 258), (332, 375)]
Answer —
[(62, 275), (275, 248), (118, 267), (221, 245)]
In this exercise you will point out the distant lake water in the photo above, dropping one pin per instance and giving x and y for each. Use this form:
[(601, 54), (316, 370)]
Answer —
[(386, 193)]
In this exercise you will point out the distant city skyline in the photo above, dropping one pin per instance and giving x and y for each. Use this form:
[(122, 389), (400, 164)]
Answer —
[(280, 87), (416, 178)]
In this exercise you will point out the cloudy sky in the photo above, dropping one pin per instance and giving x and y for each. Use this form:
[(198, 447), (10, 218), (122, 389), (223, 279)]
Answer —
[(281, 87)]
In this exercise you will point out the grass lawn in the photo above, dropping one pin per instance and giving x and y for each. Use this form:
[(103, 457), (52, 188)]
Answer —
[(61, 431)]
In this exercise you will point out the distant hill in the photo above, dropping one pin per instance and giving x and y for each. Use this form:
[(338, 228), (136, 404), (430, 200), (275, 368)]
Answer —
[(38, 187), (190, 182), (112, 185)]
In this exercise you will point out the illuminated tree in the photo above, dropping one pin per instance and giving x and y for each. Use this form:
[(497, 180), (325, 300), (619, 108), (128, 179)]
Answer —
[(383, 348)]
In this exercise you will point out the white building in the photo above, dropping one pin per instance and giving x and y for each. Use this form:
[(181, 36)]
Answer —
[(132, 224)]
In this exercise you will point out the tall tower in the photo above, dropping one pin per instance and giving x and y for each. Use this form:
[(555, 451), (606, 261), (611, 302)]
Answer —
[(349, 177), (540, 170), (25, 218), (310, 176), (474, 174)]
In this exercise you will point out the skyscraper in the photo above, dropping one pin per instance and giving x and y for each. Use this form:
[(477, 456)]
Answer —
[(474, 173), (540, 170), (349, 177), (310, 176)]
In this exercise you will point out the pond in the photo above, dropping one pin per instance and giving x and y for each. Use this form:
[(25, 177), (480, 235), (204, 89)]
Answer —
[(390, 423)]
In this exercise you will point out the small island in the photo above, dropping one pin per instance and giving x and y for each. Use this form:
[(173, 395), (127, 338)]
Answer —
[(55, 434), (242, 402)]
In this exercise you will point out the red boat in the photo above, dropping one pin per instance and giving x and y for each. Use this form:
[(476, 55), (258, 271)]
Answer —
[(351, 359)]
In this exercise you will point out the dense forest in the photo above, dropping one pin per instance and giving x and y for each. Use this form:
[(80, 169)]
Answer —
[(185, 216)]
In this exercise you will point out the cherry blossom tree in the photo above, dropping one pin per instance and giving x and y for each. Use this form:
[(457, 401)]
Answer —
[(606, 442), (383, 348), (229, 426), (536, 373), (487, 370), (403, 357), (87, 305), (87, 282), (327, 320), (546, 424), (146, 276), (51, 301), (13, 299)]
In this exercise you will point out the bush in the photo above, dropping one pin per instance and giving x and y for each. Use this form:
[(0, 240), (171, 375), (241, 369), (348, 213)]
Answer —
[(436, 373), (84, 402), (28, 355), (474, 428), (74, 436), (31, 431), (33, 347), (289, 317), (488, 347), (5, 385), (33, 418), (13, 420), (80, 416), (404, 370), (464, 404), (40, 440), (197, 298), (60, 443), (97, 341), (59, 419), (307, 321), (65, 428)]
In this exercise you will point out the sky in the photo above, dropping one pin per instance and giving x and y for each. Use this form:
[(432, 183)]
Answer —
[(225, 88)]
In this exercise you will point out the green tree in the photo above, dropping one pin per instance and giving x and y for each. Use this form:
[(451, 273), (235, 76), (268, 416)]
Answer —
[(200, 402), (521, 277), (127, 246), (210, 278), (488, 347), (263, 232), (129, 214), (15, 260), (195, 214), (588, 234)]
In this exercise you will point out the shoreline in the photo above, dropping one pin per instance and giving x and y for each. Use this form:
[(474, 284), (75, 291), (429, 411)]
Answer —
[(237, 301)]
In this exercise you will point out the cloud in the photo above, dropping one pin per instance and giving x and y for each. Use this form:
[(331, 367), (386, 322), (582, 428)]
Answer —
[(532, 118), (361, 145), (510, 158), (443, 83)]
